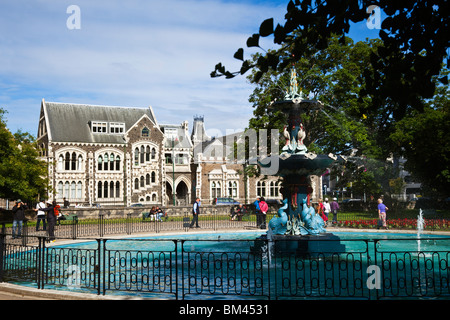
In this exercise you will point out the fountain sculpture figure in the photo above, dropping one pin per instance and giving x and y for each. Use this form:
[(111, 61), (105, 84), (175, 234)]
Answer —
[(297, 217)]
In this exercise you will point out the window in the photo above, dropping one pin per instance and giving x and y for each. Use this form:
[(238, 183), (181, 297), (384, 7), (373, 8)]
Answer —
[(142, 154), (99, 127), (136, 184), (105, 162), (100, 163), (153, 153), (116, 127), (136, 156), (153, 177), (232, 189), (170, 133), (79, 190), (117, 189), (99, 189), (181, 159), (261, 189), (145, 132), (274, 189), (168, 158), (147, 179), (117, 163), (215, 189)]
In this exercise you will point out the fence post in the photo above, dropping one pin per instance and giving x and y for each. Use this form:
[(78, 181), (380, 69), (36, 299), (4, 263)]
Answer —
[(128, 224), (100, 225), (2, 249)]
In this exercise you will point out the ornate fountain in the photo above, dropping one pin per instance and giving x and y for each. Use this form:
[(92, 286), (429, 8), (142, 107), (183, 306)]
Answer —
[(297, 219)]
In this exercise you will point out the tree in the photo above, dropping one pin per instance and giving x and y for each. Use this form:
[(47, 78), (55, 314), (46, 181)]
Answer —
[(415, 40), (423, 140), (22, 174), (333, 75)]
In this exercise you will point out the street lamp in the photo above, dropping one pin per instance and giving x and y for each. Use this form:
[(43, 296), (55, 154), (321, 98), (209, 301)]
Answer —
[(173, 169)]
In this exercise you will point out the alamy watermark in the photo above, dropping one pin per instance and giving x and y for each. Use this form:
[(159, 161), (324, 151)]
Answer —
[(374, 21), (73, 22), (250, 147)]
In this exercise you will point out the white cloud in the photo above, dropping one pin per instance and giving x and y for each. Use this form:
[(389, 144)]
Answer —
[(135, 53)]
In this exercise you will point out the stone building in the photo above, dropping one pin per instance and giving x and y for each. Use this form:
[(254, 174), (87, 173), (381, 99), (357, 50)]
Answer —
[(217, 174), (111, 156), (102, 154)]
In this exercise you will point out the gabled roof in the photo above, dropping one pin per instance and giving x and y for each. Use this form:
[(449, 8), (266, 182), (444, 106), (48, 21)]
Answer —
[(68, 122)]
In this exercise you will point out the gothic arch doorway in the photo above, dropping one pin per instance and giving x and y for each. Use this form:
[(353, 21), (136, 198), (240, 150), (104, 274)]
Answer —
[(182, 194)]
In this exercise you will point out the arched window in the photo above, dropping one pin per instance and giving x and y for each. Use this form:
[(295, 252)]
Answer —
[(136, 184), (111, 189), (154, 197), (145, 132), (67, 189), (117, 163), (136, 156), (105, 162), (142, 154), (73, 190), (105, 190), (153, 153), (147, 153), (99, 189), (117, 189), (80, 163), (74, 161), (79, 190), (111, 161), (67, 161), (153, 177), (61, 162), (100, 163), (60, 189), (142, 182), (147, 179)]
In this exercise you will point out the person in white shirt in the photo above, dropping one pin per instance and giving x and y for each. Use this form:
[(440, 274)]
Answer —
[(41, 215), (326, 207)]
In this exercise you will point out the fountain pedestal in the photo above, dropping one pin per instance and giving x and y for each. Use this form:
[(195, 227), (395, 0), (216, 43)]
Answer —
[(297, 226)]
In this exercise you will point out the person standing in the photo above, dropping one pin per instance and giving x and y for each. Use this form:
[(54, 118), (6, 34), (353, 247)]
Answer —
[(18, 218), (41, 216), (257, 211), (382, 213), (195, 213), (334, 207), (326, 208), (264, 207), (52, 213)]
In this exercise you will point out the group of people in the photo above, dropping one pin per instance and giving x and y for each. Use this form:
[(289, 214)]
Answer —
[(47, 213), (155, 212), (325, 208), (261, 208)]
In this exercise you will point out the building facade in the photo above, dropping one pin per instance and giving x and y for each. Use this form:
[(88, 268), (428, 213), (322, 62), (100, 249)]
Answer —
[(112, 156)]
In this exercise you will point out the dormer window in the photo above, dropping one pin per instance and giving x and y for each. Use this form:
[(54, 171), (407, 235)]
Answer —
[(116, 127), (99, 127)]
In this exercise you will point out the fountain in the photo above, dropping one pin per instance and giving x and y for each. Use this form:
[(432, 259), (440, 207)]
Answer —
[(297, 222), (420, 225)]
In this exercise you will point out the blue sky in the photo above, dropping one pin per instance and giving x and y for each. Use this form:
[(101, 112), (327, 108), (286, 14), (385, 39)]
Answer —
[(135, 53)]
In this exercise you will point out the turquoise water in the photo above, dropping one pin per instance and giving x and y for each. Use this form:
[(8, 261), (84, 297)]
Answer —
[(216, 266)]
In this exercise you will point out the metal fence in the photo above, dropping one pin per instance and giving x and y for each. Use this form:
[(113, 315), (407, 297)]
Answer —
[(234, 269)]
